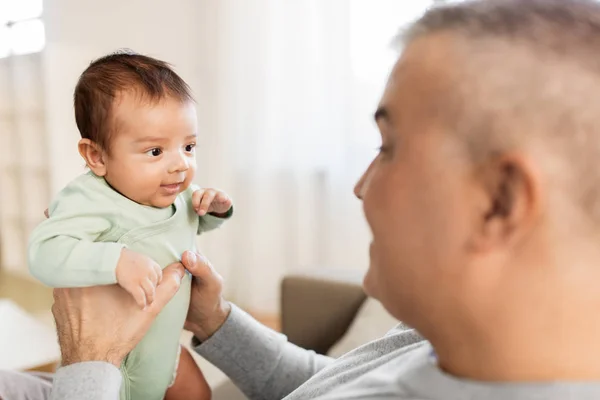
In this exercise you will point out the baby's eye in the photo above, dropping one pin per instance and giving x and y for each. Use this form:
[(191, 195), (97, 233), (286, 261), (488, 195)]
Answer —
[(154, 152), (190, 147)]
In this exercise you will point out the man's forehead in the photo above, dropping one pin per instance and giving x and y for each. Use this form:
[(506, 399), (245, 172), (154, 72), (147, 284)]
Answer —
[(425, 70)]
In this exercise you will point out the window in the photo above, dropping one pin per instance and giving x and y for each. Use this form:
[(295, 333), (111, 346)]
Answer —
[(21, 27)]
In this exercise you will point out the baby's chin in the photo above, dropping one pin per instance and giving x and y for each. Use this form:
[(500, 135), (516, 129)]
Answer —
[(163, 201)]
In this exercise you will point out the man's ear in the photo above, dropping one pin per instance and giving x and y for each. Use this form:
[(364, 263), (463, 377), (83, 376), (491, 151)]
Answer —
[(93, 155), (513, 196)]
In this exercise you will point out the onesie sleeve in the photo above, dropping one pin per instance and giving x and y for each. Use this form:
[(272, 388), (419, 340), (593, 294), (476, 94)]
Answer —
[(63, 251), (207, 222)]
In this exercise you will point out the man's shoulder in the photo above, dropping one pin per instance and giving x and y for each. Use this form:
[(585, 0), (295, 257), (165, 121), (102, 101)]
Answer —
[(385, 365)]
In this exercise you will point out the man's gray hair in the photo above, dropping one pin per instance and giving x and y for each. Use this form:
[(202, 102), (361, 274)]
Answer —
[(513, 19), (531, 69)]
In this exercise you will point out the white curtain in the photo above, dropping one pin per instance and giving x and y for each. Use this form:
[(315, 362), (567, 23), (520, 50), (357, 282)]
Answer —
[(24, 188), (287, 104), (23, 160)]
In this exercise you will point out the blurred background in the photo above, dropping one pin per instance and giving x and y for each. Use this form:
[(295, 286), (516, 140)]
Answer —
[(285, 89)]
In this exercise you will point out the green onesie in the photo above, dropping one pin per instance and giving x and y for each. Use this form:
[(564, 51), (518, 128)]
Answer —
[(80, 245)]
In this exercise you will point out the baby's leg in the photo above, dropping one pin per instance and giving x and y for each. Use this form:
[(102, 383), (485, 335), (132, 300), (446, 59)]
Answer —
[(189, 382)]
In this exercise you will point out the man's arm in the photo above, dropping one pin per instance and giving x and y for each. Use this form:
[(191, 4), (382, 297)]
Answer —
[(95, 340), (92, 380), (260, 361), (16, 385)]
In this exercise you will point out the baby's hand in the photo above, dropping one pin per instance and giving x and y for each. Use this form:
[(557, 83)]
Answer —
[(139, 275), (211, 201)]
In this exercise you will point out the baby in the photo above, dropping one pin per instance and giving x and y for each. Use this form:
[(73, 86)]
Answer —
[(135, 212)]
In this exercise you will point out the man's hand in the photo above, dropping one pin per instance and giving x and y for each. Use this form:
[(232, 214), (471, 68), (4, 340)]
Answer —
[(211, 201), (103, 323), (208, 309), (139, 275)]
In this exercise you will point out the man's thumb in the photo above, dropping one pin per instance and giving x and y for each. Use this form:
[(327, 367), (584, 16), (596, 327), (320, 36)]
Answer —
[(169, 285), (190, 259)]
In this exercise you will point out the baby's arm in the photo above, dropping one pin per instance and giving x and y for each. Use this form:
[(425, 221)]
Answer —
[(63, 252)]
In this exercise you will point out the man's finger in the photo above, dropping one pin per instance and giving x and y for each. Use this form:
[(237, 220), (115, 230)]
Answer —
[(194, 262), (199, 266), (171, 280)]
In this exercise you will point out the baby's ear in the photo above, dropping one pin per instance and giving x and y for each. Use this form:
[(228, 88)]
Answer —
[(93, 156)]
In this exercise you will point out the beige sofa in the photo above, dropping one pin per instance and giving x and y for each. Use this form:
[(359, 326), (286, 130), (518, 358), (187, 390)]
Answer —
[(316, 311)]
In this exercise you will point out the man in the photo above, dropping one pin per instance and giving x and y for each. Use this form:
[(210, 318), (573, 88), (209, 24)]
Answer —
[(484, 205)]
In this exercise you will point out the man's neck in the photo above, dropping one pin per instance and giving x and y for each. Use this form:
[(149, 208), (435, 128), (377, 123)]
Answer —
[(542, 335)]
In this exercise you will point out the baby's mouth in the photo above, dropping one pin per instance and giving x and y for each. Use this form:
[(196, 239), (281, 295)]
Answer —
[(172, 187)]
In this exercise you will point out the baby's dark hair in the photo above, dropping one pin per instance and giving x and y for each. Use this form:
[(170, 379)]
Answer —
[(116, 73)]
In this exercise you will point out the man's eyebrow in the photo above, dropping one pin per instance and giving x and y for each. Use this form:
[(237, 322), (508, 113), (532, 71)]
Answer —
[(381, 114)]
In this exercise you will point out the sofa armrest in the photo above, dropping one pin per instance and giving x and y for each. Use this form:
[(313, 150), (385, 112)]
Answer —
[(316, 310)]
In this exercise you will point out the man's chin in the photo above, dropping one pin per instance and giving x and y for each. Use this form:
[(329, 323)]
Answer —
[(369, 283)]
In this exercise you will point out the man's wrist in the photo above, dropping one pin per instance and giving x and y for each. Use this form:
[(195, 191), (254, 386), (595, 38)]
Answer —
[(211, 325), (111, 357)]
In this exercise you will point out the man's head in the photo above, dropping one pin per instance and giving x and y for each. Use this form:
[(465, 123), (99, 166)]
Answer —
[(486, 190), (138, 126)]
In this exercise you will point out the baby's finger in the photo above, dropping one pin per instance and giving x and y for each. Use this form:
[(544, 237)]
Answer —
[(220, 195), (207, 200), (153, 275), (159, 274), (149, 290), (140, 297), (196, 198)]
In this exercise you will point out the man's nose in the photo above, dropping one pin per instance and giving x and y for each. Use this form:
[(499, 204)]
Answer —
[(363, 183)]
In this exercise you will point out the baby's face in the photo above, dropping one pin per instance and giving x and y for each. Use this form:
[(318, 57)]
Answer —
[(153, 156)]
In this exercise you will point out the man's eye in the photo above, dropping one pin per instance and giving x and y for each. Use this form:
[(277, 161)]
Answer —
[(383, 149), (154, 152), (190, 147)]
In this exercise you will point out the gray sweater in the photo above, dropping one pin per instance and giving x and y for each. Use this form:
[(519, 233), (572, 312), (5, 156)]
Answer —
[(265, 366)]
